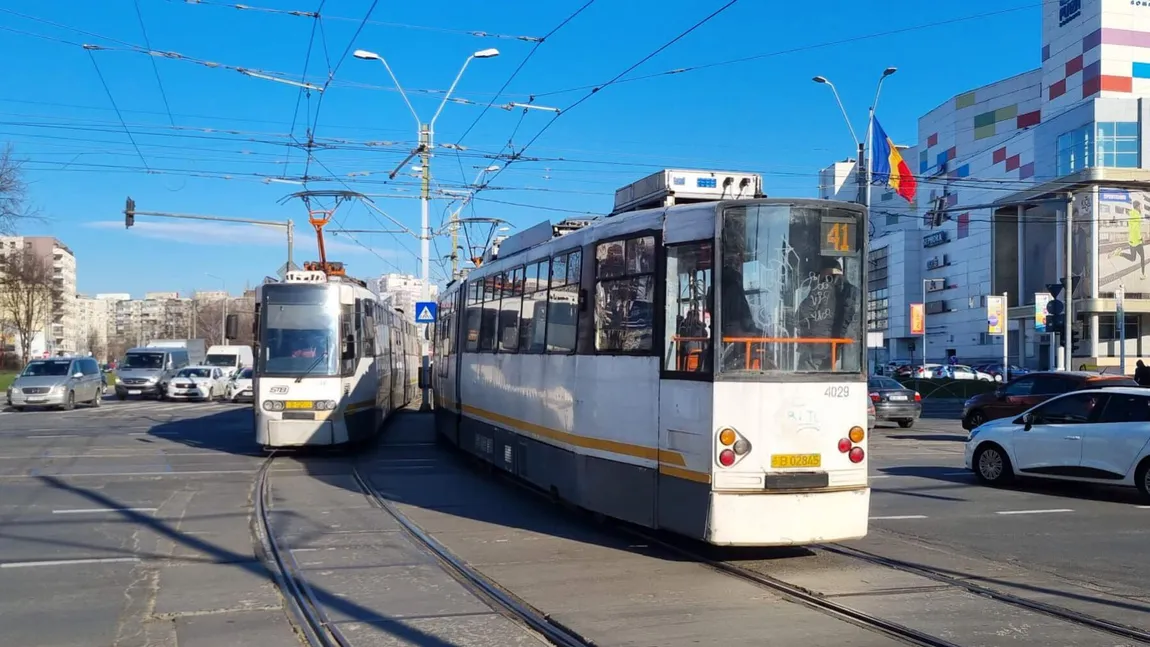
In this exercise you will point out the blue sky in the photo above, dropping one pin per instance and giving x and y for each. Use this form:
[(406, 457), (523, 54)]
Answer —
[(228, 133)]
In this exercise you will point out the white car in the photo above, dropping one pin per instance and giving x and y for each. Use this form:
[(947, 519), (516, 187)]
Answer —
[(961, 372), (239, 388), (197, 383), (1096, 436)]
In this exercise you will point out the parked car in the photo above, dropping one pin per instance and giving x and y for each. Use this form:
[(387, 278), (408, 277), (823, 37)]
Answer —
[(239, 388), (1029, 390), (203, 383), (893, 401), (1095, 435), (960, 372), (57, 382), (870, 415)]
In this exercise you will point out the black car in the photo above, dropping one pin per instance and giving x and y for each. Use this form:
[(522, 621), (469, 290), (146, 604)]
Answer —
[(893, 401)]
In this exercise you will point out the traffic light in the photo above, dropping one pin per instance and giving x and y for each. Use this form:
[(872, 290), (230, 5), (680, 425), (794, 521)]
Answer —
[(1075, 337), (129, 213)]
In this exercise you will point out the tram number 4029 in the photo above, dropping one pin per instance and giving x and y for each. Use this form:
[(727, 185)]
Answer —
[(837, 392)]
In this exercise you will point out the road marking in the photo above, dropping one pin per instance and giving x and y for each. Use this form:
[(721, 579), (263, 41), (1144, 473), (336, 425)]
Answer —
[(56, 436), (98, 510), (1144, 507), (903, 516), (1034, 511), (183, 473), (69, 562)]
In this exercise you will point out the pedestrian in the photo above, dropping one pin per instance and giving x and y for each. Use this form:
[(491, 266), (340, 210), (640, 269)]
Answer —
[(1142, 374)]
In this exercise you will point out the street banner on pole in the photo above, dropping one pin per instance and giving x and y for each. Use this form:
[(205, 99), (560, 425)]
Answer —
[(1040, 301), (918, 319), (995, 315)]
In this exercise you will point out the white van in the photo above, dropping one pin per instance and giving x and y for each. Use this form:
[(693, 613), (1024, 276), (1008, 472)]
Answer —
[(230, 358)]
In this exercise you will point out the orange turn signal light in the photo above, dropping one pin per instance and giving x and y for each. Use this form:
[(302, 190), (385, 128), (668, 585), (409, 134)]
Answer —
[(727, 436), (857, 434)]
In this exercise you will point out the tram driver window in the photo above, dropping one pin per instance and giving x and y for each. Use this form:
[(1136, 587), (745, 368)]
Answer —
[(624, 295), (688, 315)]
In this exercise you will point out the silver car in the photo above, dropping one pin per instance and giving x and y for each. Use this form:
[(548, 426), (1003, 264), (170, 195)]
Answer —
[(57, 382)]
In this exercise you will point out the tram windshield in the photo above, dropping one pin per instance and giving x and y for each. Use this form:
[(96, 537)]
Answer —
[(299, 330), (791, 290)]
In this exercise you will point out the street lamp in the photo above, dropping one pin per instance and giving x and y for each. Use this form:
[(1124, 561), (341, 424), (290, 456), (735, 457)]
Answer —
[(863, 176), (426, 143), (224, 313)]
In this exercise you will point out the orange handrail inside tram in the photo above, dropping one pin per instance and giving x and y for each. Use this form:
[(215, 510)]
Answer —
[(755, 363)]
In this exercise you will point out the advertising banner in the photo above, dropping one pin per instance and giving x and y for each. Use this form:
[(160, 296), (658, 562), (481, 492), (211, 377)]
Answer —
[(1040, 301), (996, 315), (918, 319)]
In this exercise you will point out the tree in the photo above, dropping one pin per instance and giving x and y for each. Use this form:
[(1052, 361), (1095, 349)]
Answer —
[(27, 296), (95, 345), (13, 192)]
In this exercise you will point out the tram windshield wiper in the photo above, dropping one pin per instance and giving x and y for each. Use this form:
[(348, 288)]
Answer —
[(318, 358)]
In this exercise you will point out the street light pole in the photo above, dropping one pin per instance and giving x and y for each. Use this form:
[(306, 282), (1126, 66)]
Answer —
[(1120, 297), (426, 141), (863, 165)]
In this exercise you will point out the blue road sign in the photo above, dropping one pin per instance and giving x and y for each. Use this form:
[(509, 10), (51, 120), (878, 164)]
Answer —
[(426, 311)]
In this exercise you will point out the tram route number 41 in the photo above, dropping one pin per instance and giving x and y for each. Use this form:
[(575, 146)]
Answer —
[(837, 392)]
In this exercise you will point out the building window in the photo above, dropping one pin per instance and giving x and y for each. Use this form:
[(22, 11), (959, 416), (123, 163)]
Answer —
[(1118, 144), (878, 301), (963, 225), (1074, 149), (1108, 327)]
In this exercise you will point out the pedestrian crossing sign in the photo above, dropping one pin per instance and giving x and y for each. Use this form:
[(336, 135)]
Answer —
[(425, 311)]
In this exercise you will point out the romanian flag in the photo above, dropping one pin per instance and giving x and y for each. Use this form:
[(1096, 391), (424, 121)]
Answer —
[(888, 166)]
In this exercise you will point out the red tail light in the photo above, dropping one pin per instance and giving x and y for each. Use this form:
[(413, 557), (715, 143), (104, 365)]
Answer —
[(844, 445), (857, 455), (917, 396), (726, 458), (874, 397)]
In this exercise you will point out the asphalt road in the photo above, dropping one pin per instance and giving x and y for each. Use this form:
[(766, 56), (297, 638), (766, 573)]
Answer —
[(129, 525)]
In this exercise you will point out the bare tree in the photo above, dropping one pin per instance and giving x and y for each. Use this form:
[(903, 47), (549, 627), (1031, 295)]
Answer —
[(209, 321), (27, 296), (13, 192), (95, 346), (117, 348)]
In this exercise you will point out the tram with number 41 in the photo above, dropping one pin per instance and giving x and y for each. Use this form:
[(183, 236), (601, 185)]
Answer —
[(696, 368)]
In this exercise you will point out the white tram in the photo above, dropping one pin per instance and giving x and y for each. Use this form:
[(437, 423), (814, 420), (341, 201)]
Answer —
[(589, 364), (333, 361)]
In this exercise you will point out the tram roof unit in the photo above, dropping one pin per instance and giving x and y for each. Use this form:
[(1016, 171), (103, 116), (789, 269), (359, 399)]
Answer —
[(319, 276), (671, 187)]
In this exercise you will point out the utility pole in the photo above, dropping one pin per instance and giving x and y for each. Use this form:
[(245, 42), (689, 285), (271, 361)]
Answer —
[(1120, 295), (1069, 322)]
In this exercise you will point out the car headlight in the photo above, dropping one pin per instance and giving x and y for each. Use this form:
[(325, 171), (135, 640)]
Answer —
[(59, 388)]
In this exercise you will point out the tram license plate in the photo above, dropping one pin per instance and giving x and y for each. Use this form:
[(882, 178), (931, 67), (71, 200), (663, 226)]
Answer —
[(297, 404), (796, 460)]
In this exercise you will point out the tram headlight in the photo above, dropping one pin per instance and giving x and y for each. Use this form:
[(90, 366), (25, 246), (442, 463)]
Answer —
[(267, 405), (324, 405), (273, 405)]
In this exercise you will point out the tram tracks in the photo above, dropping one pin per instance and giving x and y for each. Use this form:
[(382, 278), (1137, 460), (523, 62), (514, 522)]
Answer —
[(308, 616), (823, 602)]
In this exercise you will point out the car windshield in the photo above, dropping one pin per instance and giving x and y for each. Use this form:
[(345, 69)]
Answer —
[(44, 369), (883, 383), (790, 301), (245, 374), (194, 372), (221, 360), (143, 361)]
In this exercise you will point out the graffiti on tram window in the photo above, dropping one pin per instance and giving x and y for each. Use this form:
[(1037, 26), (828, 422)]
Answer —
[(625, 295), (789, 304)]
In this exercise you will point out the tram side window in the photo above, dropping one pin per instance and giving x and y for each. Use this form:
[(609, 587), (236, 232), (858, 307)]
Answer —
[(687, 328), (474, 310), (347, 332), (563, 302), (509, 312), (491, 294), (368, 333), (533, 318), (625, 295)]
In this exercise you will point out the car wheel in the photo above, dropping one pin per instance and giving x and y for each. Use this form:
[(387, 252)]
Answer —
[(70, 403), (975, 418), (1142, 478), (99, 397), (906, 424), (992, 465), (17, 409)]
